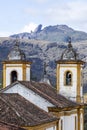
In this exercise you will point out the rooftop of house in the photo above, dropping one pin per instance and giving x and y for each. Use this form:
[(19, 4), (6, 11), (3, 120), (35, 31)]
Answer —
[(17, 110), (47, 92), (7, 126)]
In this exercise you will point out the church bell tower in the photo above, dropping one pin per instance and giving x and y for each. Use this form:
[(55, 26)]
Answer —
[(69, 75), (16, 67)]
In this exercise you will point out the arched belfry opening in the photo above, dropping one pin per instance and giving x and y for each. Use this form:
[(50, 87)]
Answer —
[(68, 78), (13, 76)]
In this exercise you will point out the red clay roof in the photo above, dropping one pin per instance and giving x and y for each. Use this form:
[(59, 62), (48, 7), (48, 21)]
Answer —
[(49, 93), (7, 126), (16, 110), (46, 91)]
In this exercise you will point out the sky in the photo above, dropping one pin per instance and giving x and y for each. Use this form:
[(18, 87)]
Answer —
[(17, 16)]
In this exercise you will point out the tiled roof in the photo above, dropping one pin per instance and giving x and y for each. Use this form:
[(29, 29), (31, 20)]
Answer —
[(49, 93), (7, 126), (16, 110)]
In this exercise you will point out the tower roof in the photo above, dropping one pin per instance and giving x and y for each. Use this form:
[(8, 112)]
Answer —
[(69, 56), (16, 53), (69, 53)]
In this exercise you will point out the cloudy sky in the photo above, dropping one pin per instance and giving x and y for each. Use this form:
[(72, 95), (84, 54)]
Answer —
[(18, 16)]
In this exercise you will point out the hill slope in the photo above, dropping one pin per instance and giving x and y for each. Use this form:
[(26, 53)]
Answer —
[(47, 50), (57, 33), (42, 51)]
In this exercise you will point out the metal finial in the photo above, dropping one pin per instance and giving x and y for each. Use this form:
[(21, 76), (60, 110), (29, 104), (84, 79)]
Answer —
[(69, 43)]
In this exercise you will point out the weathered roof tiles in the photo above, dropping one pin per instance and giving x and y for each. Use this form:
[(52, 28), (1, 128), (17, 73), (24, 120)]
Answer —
[(16, 110)]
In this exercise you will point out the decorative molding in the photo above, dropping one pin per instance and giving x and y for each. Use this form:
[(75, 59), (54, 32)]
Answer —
[(58, 77), (4, 75), (78, 97), (24, 71)]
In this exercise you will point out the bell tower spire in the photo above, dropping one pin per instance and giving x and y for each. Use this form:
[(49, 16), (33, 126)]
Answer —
[(69, 74), (15, 67)]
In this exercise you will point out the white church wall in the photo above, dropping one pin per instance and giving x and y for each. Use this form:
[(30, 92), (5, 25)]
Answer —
[(51, 128), (28, 73), (30, 95), (10, 69), (68, 122), (69, 91)]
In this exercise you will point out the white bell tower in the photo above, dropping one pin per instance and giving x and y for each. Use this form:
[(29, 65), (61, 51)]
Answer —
[(69, 75), (16, 67)]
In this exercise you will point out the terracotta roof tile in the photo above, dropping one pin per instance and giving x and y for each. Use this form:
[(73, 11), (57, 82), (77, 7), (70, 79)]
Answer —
[(48, 92), (16, 110), (7, 126)]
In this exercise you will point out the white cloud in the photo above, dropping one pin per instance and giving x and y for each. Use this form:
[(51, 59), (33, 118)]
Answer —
[(68, 11), (71, 13), (27, 28), (30, 27)]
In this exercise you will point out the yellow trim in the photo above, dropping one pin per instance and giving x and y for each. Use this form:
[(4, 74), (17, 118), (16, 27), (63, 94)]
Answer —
[(65, 113), (68, 66), (78, 96), (57, 125), (58, 74), (13, 66), (4, 75), (16, 62), (75, 123), (78, 119), (17, 66), (83, 118), (44, 126), (24, 71), (58, 77), (78, 69), (78, 112), (70, 62)]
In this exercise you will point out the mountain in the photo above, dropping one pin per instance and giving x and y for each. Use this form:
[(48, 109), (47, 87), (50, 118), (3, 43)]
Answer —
[(57, 33), (46, 49)]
